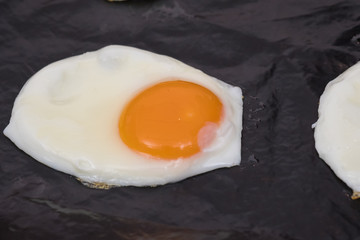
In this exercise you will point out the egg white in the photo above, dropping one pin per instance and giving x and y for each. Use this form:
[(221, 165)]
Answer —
[(337, 131), (66, 117)]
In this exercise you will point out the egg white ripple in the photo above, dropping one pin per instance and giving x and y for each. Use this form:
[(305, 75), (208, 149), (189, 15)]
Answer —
[(66, 117)]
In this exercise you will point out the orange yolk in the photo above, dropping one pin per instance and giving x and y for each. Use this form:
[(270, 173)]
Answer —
[(171, 120)]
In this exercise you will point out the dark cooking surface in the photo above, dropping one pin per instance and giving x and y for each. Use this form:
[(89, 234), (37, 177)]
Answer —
[(281, 53)]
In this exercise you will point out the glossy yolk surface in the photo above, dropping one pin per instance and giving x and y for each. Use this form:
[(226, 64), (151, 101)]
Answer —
[(171, 120)]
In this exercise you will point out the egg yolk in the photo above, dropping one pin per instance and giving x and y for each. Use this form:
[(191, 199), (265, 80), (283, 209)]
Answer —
[(171, 120)]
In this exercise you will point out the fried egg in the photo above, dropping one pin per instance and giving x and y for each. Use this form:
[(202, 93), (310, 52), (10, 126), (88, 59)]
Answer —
[(337, 131), (122, 116)]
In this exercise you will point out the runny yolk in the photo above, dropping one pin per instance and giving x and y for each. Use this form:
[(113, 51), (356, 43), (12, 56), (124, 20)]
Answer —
[(171, 120)]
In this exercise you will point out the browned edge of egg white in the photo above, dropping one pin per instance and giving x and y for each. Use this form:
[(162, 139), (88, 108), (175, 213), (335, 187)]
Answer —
[(96, 185), (355, 195), (100, 185)]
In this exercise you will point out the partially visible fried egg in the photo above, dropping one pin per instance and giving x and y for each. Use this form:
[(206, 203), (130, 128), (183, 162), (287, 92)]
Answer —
[(124, 116), (337, 131)]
